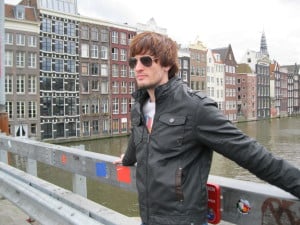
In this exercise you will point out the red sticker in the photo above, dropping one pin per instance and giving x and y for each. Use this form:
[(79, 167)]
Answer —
[(63, 159), (123, 174), (214, 203)]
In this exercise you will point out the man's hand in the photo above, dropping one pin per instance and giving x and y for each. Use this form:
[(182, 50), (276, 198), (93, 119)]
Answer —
[(119, 161)]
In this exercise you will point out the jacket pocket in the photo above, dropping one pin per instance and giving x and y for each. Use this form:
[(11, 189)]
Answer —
[(170, 131)]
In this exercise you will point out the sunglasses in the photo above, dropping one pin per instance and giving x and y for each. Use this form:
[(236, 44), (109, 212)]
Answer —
[(145, 60)]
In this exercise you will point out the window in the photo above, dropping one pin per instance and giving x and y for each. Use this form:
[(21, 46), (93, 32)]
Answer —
[(115, 70), (105, 105), (20, 39), (104, 36), (123, 55), (31, 60), (20, 59), (32, 84), (71, 48), (84, 32), (46, 106), (124, 106), (84, 68), (104, 87), (84, 50), (115, 87), (32, 109), (20, 84), (58, 65), (58, 46), (46, 44), (95, 85), (104, 70), (9, 38), (94, 34), (71, 66), (9, 109), (123, 40), (131, 87), (94, 51), (114, 54), (115, 126), (59, 27), (85, 86), (46, 64), (85, 107), (8, 61), (71, 29), (8, 84), (95, 126), (95, 107), (115, 106), (20, 12), (105, 127), (95, 69), (104, 52), (123, 71), (114, 37), (46, 25), (31, 41), (20, 109), (123, 87)]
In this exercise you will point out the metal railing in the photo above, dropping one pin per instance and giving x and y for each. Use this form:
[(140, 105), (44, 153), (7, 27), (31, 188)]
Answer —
[(240, 202)]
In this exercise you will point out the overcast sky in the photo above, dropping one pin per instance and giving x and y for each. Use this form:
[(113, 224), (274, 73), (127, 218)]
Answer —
[(217, 23)]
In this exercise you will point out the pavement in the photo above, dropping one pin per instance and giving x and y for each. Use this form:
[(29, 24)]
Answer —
[(12, 215)]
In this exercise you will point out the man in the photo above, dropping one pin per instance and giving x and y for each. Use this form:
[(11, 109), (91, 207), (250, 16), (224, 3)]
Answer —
[(174, 133)]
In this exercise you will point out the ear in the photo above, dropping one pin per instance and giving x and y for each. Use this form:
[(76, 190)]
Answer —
[(166, 68)]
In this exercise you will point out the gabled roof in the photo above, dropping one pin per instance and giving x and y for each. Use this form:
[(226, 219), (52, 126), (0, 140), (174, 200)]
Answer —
[(243, 68), (30, 13), (224, 52)]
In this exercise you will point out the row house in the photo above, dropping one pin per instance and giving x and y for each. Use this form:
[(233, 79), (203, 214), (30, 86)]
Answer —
[(122, 80), (293, 92), (105, 78), (228, 59), (246, 93), (198, 54), (278, 90), (21, 62), (184, 64), (215, 78), (59, 71), (262, 71)]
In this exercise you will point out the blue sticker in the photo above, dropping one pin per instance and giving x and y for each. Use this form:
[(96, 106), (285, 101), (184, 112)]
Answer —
[(101, 169)]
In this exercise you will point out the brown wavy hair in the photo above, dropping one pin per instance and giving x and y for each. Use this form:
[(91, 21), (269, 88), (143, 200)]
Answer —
[(159, 46)]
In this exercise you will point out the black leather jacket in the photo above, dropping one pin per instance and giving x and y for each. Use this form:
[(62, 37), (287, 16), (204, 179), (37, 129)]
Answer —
[(173, 161)]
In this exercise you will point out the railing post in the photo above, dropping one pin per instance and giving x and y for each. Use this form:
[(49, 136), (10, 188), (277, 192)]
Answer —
[(3, 156), (79, 181), (31, 167), (3, 129)]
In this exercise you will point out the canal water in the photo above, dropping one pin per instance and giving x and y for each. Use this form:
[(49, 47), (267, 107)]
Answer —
[(280, 136)]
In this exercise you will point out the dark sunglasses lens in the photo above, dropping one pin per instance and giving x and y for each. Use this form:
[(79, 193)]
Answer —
[(146, 61), (132, 62)]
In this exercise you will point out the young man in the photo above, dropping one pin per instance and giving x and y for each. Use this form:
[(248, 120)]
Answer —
[(174, 133)]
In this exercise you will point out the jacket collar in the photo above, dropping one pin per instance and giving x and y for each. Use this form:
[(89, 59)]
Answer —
[(141, 95)]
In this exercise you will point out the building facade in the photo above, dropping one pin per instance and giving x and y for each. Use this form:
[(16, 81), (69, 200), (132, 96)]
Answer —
[(22, 71)]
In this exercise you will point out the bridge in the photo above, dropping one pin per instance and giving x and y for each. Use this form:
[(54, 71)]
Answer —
[(230, 200)]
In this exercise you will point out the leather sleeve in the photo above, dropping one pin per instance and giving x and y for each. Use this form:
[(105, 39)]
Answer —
[(219, 134)]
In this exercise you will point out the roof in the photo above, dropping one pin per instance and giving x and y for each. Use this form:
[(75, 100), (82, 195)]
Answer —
[(243, 68), (30, 13)]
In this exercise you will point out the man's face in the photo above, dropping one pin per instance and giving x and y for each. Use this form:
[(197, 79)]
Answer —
[(148, 72)]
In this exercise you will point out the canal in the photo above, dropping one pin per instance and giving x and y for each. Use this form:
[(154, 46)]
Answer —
[(280, 136)]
